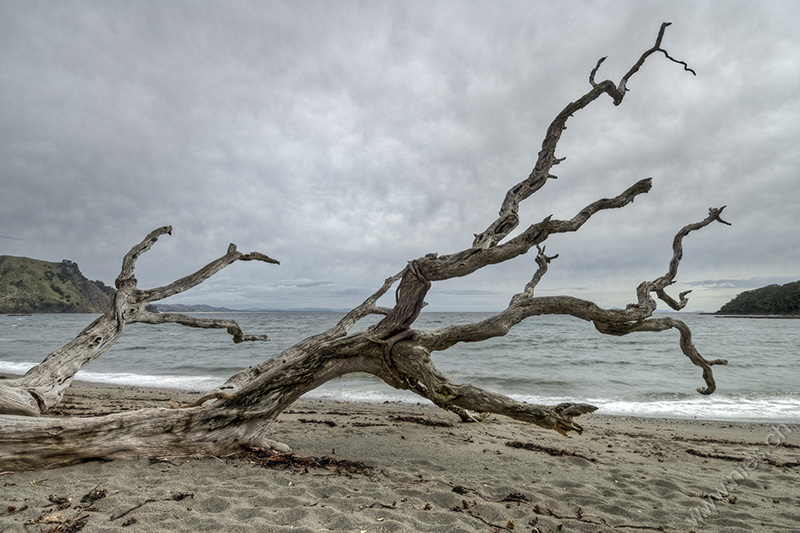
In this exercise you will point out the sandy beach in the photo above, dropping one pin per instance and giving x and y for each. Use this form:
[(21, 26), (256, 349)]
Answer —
[(403, 467)]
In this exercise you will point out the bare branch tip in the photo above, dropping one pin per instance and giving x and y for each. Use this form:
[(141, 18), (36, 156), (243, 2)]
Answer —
[(595, 69), (163, 230), (715, 212), (258, 256)]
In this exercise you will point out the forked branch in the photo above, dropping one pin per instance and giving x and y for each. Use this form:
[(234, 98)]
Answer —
[(635, 318), (508, 218), (542, 260), (659, 285), (43, 385)]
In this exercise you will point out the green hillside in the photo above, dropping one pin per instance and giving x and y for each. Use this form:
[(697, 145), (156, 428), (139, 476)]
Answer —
[(769, 300), (33, 286)]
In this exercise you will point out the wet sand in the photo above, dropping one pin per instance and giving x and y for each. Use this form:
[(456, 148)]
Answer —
[(403, 467)]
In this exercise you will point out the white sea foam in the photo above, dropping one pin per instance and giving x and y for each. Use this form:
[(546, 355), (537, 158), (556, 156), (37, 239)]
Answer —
[(199, 383), (193, 383), (12, 367), (718, 407), (366, 396)]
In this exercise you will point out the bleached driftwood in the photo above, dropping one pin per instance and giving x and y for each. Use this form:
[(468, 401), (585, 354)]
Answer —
[(236, 416)]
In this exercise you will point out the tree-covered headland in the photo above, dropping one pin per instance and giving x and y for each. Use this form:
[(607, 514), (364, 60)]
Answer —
[(769, 300)]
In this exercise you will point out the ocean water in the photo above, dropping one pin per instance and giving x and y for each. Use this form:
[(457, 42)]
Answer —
[(543, 360)]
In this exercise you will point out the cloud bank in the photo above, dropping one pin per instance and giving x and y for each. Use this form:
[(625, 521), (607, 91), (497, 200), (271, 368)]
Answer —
[(347, 138)]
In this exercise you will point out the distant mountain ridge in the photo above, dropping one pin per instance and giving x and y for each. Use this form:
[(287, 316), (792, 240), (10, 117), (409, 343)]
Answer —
[(769, 300), (202, 308), (35, 286)]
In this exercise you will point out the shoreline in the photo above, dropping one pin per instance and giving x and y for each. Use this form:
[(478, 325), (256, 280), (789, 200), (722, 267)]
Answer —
[(182, 395), (787, 317), (193, 393), (622, 474)]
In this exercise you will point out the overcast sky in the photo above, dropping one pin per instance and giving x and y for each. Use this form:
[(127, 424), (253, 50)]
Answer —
[(346, 138)]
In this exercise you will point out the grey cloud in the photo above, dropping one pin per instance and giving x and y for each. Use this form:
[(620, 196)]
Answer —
[(346, 139)]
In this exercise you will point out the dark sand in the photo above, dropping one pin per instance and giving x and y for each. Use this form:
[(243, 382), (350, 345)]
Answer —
[(622, 475)]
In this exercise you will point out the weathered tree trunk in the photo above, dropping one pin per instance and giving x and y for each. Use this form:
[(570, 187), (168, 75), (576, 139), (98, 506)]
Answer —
[(236, 415)]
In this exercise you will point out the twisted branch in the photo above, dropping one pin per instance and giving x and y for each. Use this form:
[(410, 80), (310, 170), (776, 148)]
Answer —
[(508, 217), (129, 261), (420, 375), (468, 261), (622, 87), (542, 261), (659, 284), (635, 318), (686, 344), (231, 326)]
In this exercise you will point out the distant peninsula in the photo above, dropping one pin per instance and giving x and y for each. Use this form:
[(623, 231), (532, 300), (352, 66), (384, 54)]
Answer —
[(34, 286), (202, 308), (772, 300), (191, 308)]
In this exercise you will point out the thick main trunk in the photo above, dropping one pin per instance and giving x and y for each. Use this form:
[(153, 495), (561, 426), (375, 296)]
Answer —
[(221, 423), (42, 442)]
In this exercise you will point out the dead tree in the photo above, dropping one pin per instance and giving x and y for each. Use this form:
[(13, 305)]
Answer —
[(236, 415)]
